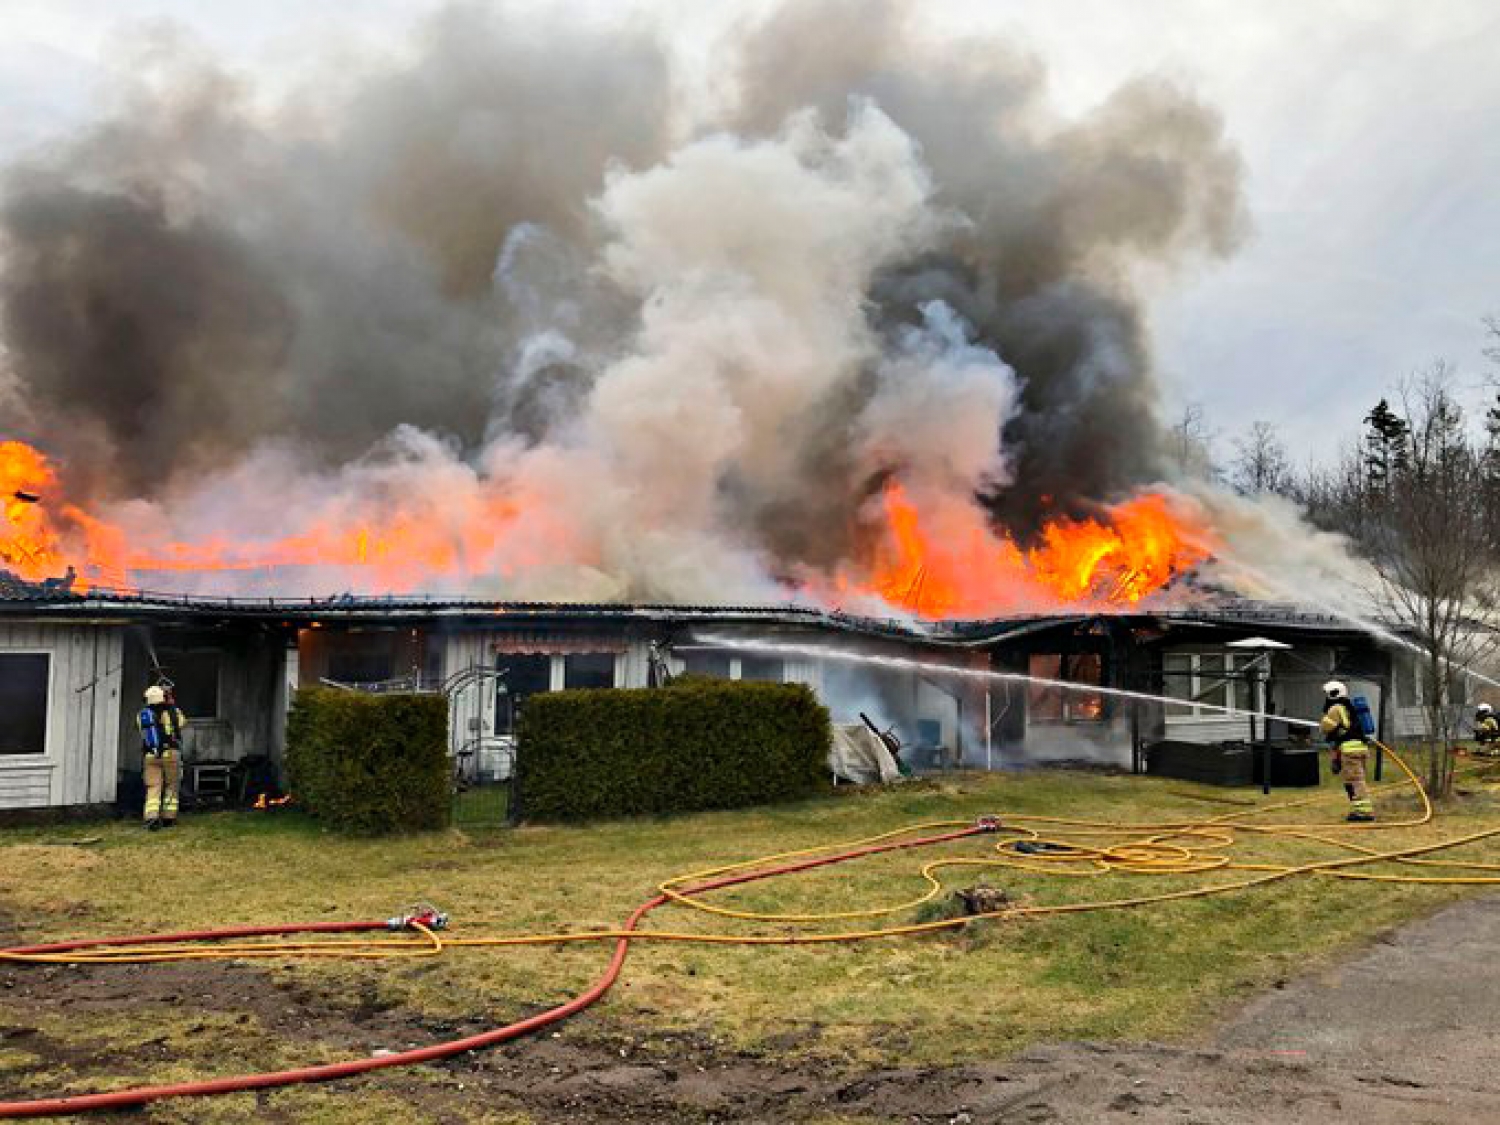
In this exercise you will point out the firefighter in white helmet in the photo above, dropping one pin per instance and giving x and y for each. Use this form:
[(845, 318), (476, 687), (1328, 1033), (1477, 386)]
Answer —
[(1350, 754), (1487, 731), (160, 723)]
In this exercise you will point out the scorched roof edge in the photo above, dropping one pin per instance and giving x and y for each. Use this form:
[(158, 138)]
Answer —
[(17, 597)]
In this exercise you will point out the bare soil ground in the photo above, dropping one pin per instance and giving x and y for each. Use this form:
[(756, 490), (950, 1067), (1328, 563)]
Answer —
[(1402, 1032)]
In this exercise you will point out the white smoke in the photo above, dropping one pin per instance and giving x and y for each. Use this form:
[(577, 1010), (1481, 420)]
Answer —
[(1266, 549), (748, 261)]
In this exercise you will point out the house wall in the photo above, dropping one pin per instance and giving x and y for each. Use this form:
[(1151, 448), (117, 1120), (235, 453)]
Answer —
[(1408, 717), (938, 717), (80, 764), (1106, 742)]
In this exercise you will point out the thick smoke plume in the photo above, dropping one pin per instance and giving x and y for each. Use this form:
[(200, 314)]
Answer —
[(500, 293)]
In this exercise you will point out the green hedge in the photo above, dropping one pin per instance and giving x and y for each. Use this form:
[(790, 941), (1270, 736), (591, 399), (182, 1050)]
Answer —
[(370, 763), (703, 744)]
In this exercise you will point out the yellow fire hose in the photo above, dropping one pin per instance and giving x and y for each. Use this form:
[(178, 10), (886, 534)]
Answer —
[(1032, 844), (1054, 846)]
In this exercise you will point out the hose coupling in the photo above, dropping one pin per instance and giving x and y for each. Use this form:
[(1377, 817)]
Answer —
[(988, 823), (428, 917)]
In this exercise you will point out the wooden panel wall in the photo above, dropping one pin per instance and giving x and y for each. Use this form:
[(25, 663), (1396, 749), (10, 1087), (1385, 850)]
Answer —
[(81, 763)]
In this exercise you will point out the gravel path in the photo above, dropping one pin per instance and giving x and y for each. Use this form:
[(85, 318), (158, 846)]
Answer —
[(1403, 1033)]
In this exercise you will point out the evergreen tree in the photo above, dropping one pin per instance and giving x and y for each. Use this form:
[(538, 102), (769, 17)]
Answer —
[(1387, 447)]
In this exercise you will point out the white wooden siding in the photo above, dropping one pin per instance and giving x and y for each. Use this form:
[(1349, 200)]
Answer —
[(81, 762)]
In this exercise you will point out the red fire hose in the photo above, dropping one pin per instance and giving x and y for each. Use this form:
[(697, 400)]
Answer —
[(140, 1095)]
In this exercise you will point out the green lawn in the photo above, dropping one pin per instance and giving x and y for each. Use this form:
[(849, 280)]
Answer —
[(976, 993)]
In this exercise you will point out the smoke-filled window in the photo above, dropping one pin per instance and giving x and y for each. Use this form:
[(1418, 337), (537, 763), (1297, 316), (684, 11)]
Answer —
[(705, 662), (195, 680), (23, 702), (1047, 704), (765, 668), (360, 667), (589, 670)]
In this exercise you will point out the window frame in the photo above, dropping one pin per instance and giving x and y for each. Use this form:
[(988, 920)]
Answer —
[(614, 670), (505, 700), (45, 758), (1073, 707), (707, 655), (1238, 692), (738, 669), (187, 655)]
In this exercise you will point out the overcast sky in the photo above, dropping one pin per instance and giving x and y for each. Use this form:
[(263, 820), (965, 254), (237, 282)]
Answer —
[(1370, 130)]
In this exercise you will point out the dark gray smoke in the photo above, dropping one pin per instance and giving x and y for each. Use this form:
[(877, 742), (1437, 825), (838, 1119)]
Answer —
[(1058, 213), (478, 245), (195, 273)]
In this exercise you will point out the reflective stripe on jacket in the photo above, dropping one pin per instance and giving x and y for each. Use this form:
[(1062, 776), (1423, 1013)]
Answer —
[(1339, 729)]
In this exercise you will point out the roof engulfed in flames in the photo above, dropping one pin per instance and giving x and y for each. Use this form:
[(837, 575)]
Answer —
[(935, 558), (35, 543), (942, 560)]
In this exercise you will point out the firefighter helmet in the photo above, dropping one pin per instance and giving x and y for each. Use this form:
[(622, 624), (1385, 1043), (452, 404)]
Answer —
[(1334, 689), (1486, 709), (155, 695)]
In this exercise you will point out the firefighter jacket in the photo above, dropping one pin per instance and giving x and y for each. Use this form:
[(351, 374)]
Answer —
[(161, 728), (1338, 725), (1487, 729)]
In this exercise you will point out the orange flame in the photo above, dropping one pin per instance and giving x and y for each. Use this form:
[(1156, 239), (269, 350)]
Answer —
[(29, 545), (36, 544), (944, 561), (937, 559), (267, 802), (40, 537)]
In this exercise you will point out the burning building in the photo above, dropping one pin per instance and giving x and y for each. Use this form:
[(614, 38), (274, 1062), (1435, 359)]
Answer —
[(511, 338), (73, 665), (867, 339)]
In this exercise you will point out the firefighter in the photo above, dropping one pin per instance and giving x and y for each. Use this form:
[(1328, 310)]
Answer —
[(160, 722), (1350, 754), (1487, 731)]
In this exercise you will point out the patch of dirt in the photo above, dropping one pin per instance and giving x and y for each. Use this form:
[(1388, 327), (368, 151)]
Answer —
[(1401, 1033)]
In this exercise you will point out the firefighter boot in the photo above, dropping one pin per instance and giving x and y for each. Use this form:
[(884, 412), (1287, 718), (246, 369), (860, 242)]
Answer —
[(1362, 808)]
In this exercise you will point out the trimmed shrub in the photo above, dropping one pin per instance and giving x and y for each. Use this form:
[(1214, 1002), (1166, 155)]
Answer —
[(370, 763), (703, 744)]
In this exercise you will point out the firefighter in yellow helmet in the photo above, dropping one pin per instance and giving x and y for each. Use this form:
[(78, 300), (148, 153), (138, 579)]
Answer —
[(1350, 754), (1487, 731), (160, 723)]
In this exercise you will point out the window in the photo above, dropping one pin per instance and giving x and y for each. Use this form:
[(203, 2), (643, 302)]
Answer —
[(1217, 679), (767, 668), (195, 680), (589, 670), (525, 675), (1177, 682), (704, 662), (1047, 704), (359, 667), (23, 702)]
